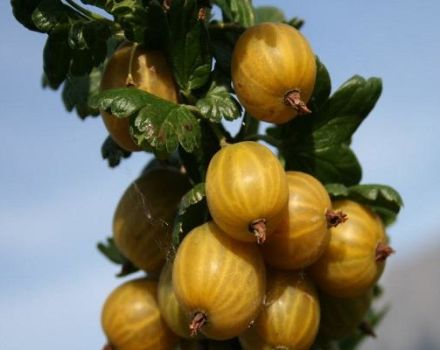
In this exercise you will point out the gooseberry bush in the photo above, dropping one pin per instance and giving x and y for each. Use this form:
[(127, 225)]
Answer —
[(259, 238)]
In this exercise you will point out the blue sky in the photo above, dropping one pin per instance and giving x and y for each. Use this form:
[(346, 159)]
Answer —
[(57, 195)]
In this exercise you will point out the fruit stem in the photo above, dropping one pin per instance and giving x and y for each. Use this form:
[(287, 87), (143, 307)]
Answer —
[(258, 229), (293, 98), (366, 329), (130, 81), (383, 251), (198, 321), (218, 132), (107, 347), (334, 218)]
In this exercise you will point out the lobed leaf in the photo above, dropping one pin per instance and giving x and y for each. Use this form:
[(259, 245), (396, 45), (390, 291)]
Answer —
[(56, 58), (158, 123), (75, 44), (188, 46), (51, 14), (113, 153), (218, 103), (121, 102), (22, 11), (165, 125), (89, 35), (78, 90), (145, 24)]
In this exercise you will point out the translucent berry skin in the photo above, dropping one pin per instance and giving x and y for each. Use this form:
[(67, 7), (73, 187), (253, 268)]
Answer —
[(220, 277), (131, 318), (144, 217), (348, 268), (291, 314), (172, 312), (303, 235), (269, 60), (246, 182)]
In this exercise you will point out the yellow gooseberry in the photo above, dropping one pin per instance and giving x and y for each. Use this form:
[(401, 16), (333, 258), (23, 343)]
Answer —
[(291, 312), (172, 312), (355, 256), (219, 281), (273, 71), (144, 217), (303, 234), (246, 191), (131, 318)]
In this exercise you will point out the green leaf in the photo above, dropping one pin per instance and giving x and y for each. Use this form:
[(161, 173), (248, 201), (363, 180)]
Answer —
[(353, 101), (323, 86), (237, 11), (268, 14), (91, 35), (23, 9), (56, 58), (382, 199), (380, 195), (319, 143), (188, 46), (75, 45), (164, 126), (78, 90), (191, 213), (111, 252), (337, 190), (113, 153), (156, 122), (51, 14), (121, 102), (218, 103), (145, 24), (336, 163)]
